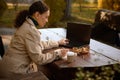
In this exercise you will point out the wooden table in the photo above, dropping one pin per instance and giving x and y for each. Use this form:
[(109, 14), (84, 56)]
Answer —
[(100, 55)]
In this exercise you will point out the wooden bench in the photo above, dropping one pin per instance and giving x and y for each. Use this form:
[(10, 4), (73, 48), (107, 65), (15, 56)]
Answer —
[(32, 76)]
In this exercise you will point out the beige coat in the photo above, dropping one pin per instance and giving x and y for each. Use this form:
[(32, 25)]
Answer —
[(25, 50)]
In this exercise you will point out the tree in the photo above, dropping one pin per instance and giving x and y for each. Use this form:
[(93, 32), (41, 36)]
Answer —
[(15, 4), (111, 4), (80, 3), (56, 11), (67, 12), (3, 7)]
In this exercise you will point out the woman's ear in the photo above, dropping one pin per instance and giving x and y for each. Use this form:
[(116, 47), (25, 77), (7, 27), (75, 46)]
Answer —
[(36, 14)]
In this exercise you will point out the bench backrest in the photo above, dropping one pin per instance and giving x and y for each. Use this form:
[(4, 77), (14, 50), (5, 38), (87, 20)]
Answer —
[(106, 27)]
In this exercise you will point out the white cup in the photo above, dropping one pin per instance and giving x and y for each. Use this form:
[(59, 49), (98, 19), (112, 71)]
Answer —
[(71, 56), (65, 57)]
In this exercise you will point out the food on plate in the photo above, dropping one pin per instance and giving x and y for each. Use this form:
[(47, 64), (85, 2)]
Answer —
[(81, 50)]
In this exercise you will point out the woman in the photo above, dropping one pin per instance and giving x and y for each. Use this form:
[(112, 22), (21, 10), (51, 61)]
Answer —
[(25, 50)]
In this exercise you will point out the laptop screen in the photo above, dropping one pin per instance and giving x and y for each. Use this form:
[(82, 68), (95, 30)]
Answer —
[(78, 33)]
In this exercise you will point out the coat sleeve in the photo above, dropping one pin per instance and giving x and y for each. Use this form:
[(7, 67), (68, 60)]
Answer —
[(49, 44), (34, 49)]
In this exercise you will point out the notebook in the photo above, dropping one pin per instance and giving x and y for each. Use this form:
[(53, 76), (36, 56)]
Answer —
[(78, 34)]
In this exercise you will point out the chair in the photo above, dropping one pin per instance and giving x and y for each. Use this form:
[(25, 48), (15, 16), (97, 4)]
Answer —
[(1, 47), (31, 76)]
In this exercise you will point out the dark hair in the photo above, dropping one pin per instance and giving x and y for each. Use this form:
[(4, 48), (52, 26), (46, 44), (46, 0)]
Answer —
[(39, 6)]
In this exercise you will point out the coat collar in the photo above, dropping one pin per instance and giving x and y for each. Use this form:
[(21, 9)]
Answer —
[(30, 21), (34, 21)]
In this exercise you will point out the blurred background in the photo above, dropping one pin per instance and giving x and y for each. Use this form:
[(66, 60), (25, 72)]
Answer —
[(62, 11)]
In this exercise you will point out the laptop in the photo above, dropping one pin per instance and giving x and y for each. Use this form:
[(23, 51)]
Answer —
[(78, 34)]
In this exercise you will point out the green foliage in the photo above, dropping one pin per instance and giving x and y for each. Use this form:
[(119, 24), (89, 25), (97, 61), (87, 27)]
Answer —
[(3, 7), (111, 4), (85, 15), (7, 19), (99, 73), (57, 8)]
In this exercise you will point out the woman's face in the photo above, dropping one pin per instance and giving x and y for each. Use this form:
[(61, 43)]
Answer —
[(42, 19)]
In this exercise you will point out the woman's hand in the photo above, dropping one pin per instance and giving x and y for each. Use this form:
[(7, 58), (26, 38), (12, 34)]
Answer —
[(63, 41), (62, 52)]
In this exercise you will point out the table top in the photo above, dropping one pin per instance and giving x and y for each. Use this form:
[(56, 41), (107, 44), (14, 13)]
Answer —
[(100, 54)]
